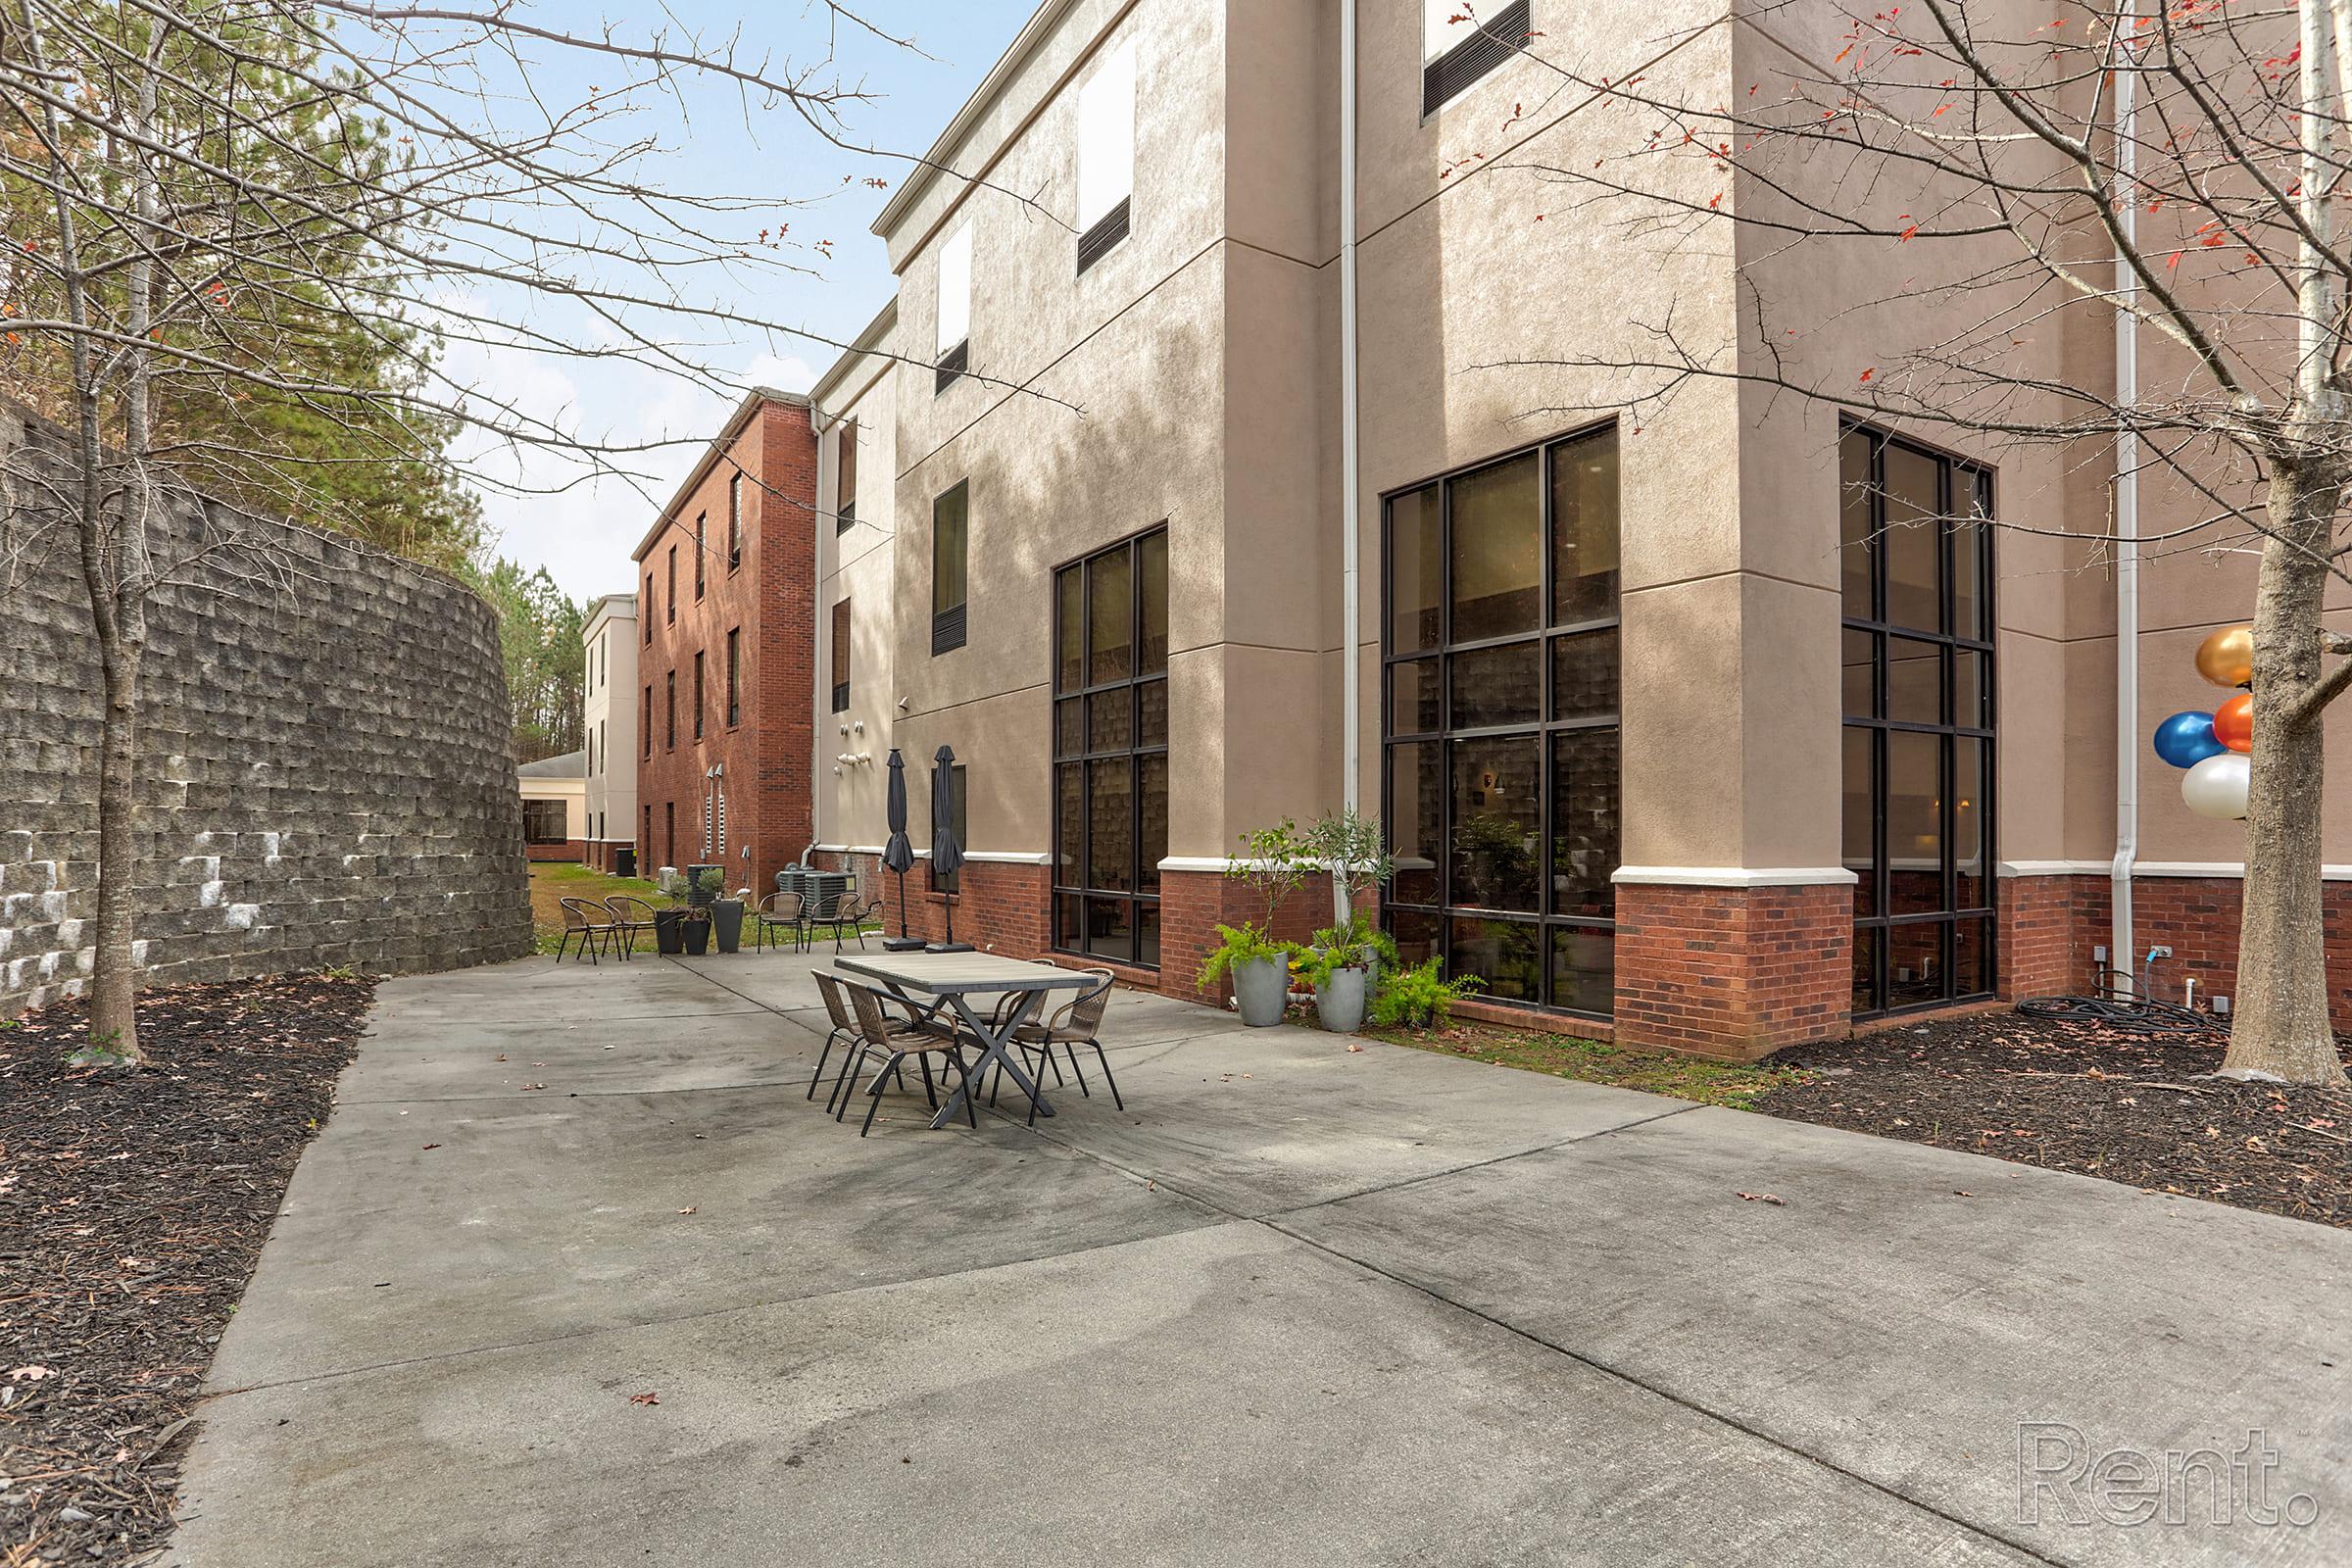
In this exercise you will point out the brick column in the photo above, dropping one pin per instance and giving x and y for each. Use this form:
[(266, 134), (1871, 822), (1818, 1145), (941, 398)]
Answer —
[(1734, 971)]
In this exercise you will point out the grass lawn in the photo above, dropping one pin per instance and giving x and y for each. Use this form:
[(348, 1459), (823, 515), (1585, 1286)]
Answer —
[(1736, 1085), (552, 880)]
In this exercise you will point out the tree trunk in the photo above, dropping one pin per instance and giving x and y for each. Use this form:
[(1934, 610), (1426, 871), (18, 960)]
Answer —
[(113, 987), (2281, 1029)]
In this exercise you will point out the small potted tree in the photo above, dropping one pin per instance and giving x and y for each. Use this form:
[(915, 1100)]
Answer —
[(701, 891), (1342, 966), (1256, 961), (669, 924), (726, 917)]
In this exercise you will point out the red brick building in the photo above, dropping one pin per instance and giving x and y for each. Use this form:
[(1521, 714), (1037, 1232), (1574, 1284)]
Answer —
[(727, 649)]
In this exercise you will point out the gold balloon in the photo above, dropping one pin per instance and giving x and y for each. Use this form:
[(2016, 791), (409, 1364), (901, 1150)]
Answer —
[(2226, 658)]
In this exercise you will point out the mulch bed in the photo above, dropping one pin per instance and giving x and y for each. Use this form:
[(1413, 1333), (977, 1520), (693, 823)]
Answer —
[(2139, 1109), (132, 1207)]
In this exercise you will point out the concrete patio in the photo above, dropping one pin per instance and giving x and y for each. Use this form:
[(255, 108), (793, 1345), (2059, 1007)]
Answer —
[(1297, 1305)]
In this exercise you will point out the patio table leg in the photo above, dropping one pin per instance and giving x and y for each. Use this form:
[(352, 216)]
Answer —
[(995, 1043)]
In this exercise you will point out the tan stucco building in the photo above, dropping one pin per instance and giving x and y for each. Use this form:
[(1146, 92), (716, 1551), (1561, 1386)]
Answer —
[(1665, 742), (610, 687)]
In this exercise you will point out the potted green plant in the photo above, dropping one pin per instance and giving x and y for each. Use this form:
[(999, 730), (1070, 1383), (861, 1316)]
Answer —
[(1417, 998), (1344, 966), (1260, 968), (705, 883), (726, 917), (1250, 956)]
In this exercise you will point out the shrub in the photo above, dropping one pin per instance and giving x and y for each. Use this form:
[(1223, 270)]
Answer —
[(1417, 998), (1244, 944)]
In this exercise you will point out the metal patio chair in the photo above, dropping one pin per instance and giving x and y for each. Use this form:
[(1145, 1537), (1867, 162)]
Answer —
[(922, 1043), (781, 911), (845, 1031), (591, 922), (1079, 1022), (844, 913), (630, 915)]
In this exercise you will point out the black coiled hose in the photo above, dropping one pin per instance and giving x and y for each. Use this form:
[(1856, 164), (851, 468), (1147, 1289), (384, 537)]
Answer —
[(2118, 1008)]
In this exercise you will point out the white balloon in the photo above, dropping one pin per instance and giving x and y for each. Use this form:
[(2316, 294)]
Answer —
[(2217, 786)]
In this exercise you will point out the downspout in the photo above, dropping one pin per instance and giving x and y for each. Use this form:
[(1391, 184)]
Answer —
[(2121, 956), (816, 711), (1351, 503)]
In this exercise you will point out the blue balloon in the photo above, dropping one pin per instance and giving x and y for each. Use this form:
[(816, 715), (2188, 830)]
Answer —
[(2186, 739)]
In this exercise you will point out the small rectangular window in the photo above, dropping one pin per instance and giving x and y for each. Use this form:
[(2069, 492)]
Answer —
[(954, 354), (1105, 155), (951, 533), (669, 708), (700, 550), (698, 694), (734, 676), (1458, 47), (845, 477), (841, 657), (735, 521), (646, 728), (649, 608), (671, 612), (545, 822)]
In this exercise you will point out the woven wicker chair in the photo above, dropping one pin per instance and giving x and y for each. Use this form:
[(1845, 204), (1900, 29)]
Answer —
[(1078, 1023), (922, 1043), (781, 911), (845, 1031), (630, 915), (591, 922)]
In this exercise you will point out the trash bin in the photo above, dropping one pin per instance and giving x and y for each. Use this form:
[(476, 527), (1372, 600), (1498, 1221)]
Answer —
[(624, 861)]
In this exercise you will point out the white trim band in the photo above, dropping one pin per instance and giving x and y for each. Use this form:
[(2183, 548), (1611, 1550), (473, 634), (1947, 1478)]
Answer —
[(2223, 870), (1733, 877)]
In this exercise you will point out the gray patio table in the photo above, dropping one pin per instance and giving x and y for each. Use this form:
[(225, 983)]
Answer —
[(949, 979)]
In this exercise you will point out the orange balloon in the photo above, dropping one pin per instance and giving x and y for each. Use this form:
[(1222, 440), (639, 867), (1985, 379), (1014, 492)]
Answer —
[(2227, 657), (2233, 722)]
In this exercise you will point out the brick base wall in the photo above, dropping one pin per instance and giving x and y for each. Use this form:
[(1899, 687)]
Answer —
[(571, 850), (2197, 917), (1733, 972)]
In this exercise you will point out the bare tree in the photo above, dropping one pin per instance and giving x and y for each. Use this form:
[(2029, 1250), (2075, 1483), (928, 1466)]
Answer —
[(221, 212), (1986, 174)]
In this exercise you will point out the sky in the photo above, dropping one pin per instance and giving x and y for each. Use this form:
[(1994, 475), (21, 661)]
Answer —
[(583, 535)]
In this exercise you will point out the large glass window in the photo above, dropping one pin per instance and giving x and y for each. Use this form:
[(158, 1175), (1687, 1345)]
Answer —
[(1111, 749), (1501, 793), (1918, 694)]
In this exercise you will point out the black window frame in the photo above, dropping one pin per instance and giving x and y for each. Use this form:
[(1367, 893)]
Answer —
[(735, 520), (951, 366), (1077, 895), (1104, 235), (701, 694), (734, 676), (648, 610), (535, 813), (1545, 730), (948, 621), (669, 611), (1873, 995), (840, 651), (702, 552), (669, 708), (1454, 71), (845, 495)]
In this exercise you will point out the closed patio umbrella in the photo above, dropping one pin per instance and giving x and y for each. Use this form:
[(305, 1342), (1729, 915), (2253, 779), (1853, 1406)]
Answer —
[(899, 855), (947, 856)]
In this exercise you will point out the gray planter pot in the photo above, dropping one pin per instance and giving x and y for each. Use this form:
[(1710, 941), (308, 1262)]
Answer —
[(726, 924), (1262, 989), (1340, 1001)]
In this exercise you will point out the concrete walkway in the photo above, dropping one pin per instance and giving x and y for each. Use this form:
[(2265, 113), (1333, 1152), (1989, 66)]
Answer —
[(1298, 1305)]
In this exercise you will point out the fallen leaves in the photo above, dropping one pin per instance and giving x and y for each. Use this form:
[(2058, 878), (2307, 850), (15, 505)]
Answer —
[(647, 1397)]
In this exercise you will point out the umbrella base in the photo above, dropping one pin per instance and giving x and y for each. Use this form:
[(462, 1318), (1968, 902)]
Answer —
[(900, 944), (951, 947)]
